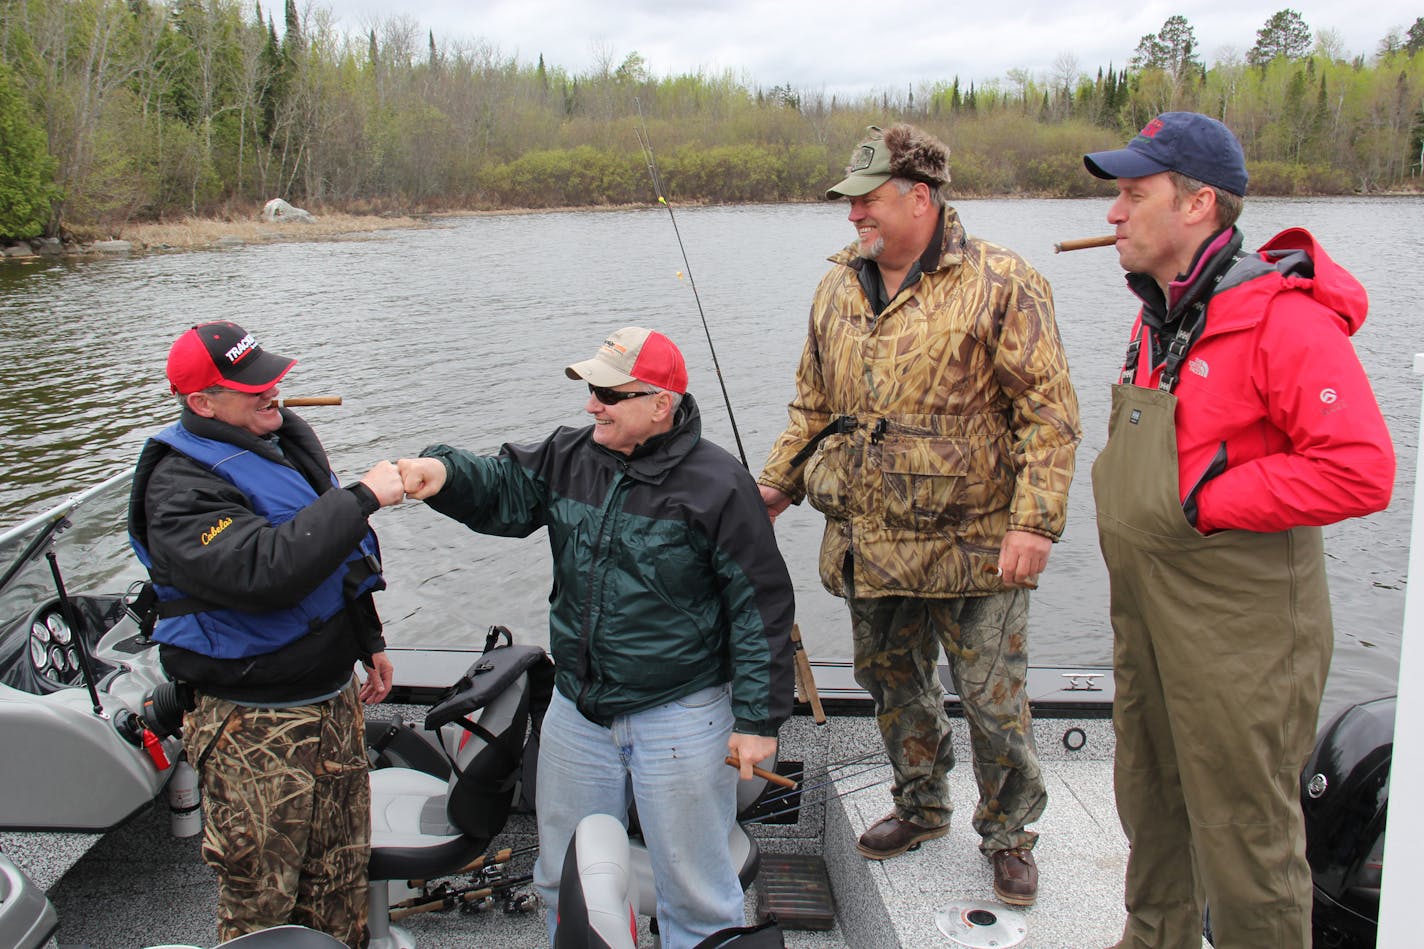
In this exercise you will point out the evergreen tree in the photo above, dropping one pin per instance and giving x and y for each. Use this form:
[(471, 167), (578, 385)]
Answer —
[(1173, 49), (27, 189), (1285, 34), (1414, 39)]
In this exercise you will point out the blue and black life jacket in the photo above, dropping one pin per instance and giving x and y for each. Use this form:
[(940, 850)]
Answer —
[(277, 492)]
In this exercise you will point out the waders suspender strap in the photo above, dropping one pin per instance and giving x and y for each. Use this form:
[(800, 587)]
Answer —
[(1187, 330), (838, 426)]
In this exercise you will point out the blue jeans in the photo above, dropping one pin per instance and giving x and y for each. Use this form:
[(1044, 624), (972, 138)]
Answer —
[(670, 759)]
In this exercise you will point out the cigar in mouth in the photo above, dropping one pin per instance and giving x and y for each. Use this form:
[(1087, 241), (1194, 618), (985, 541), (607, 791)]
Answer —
[(1083, 243), (300, 400)]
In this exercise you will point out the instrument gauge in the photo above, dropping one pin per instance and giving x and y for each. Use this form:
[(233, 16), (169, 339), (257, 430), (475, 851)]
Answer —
[(56, 658), (38, 652), (40, 631), (73, 658), (58, 627)]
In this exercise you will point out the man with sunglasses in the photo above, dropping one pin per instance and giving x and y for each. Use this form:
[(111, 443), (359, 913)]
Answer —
[(669, 621)]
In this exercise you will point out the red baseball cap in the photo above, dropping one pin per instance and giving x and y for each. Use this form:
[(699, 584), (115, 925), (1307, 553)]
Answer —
[(634, 354), (223, 354)]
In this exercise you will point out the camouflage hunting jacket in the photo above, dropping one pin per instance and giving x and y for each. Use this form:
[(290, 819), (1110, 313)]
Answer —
[(956, 420)]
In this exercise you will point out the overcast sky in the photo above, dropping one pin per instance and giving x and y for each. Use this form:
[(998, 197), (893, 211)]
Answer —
[(852, 48)]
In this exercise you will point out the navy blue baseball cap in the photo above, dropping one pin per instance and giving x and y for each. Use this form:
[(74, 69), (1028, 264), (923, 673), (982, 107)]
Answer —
[(1189, 143)]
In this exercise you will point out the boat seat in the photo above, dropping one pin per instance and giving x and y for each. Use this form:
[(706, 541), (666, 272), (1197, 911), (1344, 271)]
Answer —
[(284, 937), (604, 880), (423, 826)]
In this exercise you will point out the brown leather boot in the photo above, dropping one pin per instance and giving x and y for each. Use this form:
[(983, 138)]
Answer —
[(890, 836), (1015, 876)]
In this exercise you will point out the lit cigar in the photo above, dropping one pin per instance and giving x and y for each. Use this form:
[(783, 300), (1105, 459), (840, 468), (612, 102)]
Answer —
[(994, 569), (1082, 243), (760, 772), (300, 400)]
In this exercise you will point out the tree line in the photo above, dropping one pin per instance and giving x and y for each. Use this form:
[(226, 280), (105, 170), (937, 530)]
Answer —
[(121, 110)]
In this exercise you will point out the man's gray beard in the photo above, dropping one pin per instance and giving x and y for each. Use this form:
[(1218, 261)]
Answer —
[(872, 252)]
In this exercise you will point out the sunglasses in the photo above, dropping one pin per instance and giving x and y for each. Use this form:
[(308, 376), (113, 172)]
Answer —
[(608, 396)]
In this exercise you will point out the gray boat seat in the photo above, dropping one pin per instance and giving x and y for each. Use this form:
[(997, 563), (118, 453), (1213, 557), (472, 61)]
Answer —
[(423, 826)]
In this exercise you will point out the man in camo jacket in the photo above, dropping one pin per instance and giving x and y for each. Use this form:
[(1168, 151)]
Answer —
[(935, 426)]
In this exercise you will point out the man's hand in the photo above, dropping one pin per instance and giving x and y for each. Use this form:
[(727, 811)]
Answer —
[(423, 477), (750, 750), (379, 673), (385, 483), (775, 501), (1023, 557)]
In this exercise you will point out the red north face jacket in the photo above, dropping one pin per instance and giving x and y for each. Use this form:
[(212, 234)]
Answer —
[(1277, 425)]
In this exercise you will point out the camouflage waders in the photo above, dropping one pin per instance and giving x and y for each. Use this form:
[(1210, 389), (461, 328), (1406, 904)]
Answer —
[(287, 814), (897, 642), (1220, 648)]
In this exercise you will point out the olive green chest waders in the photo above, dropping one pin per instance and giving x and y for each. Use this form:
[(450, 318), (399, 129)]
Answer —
[(1220, 648)]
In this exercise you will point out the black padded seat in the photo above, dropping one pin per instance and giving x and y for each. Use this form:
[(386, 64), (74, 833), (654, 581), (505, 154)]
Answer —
[(424, 826)]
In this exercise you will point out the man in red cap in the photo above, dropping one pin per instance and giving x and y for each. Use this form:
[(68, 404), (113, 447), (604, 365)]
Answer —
[(264, 569), (669, 621)]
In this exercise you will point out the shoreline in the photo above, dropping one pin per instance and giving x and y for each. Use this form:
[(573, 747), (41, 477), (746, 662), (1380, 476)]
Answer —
[(210, 233)]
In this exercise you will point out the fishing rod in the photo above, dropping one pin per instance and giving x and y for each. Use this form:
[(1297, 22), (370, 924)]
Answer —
[(652, 162), (803, 803), (805, 789)]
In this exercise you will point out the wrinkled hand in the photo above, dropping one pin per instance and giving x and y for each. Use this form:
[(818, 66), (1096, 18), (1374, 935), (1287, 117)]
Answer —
[(775, 501), (385, 483), (422, 477), (1023, 557), (750, 750), (379, 675)]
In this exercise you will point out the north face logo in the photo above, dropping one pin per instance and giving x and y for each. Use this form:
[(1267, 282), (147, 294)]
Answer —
[(1199, 367)]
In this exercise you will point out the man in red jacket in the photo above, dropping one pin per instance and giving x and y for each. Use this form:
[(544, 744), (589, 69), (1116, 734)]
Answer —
[(1242, 422)]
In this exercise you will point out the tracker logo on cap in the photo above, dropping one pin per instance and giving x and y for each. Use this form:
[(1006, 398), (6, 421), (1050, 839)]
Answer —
[(223, 354), (244, 346)]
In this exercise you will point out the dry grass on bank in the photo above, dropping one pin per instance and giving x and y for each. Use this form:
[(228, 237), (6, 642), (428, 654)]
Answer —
[(204, 232)]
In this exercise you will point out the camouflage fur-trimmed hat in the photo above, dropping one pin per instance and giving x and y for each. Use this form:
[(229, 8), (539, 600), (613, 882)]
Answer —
[(902, 151)]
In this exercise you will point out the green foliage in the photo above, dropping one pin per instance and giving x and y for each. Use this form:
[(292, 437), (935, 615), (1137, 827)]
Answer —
[(154, 107), (1284, 179), (27, 189)]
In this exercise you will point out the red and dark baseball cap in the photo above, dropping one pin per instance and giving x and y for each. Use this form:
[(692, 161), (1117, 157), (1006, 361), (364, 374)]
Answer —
[(223, 354)]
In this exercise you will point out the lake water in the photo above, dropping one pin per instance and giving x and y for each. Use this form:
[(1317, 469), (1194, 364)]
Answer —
[(459, 333)]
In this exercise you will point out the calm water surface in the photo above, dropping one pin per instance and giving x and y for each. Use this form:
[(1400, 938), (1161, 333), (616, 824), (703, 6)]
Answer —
[(460, 333)]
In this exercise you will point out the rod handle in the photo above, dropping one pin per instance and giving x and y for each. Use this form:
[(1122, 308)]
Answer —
[(761, 772), (805, 682)]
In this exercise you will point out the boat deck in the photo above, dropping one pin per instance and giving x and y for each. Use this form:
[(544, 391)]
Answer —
[(139, 886)]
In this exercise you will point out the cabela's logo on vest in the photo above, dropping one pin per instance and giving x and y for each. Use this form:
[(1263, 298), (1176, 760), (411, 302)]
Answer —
[(215, 530), (244, 346)]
